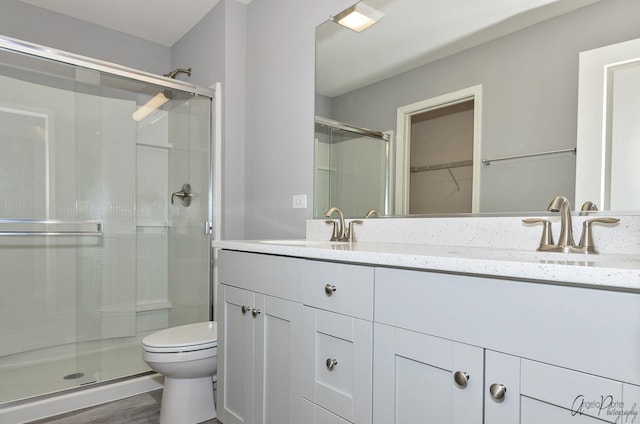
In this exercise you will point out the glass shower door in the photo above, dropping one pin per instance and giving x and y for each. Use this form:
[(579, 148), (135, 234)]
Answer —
[(351, 172), (97, 247), (105, 174)]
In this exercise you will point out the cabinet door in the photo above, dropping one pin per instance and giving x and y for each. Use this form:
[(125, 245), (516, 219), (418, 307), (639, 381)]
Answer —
[(235, 356), (571, 395), (530, 392), (277, 384), (502, 376), (313, 414), (337, 355), (414, 379)]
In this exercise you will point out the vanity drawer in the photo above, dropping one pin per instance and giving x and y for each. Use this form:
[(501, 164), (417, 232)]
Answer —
[(277, 276), (342, 288), (337, 356)]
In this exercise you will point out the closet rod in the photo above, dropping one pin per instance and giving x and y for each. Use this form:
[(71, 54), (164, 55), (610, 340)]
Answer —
[(551, 152), (448, 165)]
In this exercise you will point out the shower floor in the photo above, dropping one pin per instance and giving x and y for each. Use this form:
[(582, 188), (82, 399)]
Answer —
[(29, 378)]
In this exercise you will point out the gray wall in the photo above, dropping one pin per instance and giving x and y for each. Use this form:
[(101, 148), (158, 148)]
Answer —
[(215, 49), (26, 22), (530, 93), (280, 108)]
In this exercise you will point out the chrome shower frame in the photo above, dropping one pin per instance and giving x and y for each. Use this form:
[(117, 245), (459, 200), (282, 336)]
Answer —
[(213, 224), (167, 81)]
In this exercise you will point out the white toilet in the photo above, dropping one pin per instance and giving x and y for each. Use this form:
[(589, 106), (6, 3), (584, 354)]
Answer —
[(186, 356)]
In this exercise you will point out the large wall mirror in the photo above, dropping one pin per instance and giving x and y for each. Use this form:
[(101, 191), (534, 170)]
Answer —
[(521, 57)]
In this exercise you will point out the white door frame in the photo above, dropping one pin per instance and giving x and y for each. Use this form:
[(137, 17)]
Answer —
[(595, 117), (403, 142)]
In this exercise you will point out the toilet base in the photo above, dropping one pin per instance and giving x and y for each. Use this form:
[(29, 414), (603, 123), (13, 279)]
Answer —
[(187, 401)]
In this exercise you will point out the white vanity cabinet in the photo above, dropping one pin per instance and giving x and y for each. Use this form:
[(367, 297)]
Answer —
[(569, 348), (337, 342), (259, 321)]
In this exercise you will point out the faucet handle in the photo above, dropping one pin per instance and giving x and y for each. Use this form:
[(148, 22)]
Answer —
[(546, 241), (334, 232), (351, 232), (586, 244)]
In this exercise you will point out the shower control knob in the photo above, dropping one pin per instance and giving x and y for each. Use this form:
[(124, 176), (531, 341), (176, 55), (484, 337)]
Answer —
[(498, 392), (331, 363), (329, 289), (461, 378), (255, 312), (185, 194)]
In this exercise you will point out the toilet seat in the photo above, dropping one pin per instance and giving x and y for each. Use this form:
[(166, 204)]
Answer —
[(184, 338)]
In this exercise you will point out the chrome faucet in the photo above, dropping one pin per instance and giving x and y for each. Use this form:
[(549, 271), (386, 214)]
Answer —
[(562, 205), (371, 212), (588, 206), (338, 233), (566, 243)]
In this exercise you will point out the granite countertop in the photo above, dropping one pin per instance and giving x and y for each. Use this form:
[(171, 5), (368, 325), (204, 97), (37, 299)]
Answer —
[(613, 271)]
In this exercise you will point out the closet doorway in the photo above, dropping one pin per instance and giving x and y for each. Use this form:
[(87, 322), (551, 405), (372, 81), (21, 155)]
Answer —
[(438, 154)]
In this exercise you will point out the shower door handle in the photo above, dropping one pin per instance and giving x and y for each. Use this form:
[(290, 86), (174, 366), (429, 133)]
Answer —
[(185, 195)]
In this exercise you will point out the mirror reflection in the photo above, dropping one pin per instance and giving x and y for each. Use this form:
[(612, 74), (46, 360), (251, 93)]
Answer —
[(524, 59), (351, 168)]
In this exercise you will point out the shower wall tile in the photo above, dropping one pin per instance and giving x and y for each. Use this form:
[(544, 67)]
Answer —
[(152, 197), (152, 266), (119, 155), (154, 132)]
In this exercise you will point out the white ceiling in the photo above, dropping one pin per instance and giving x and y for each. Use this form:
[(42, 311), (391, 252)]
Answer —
[(416, 32), (160, 21)]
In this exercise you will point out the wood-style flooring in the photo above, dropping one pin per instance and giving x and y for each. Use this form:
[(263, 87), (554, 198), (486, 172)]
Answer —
[(140, 409)]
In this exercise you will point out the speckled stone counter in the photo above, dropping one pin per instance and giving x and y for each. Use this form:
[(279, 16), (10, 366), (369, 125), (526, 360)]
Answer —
[(611, 271), (490, 246)]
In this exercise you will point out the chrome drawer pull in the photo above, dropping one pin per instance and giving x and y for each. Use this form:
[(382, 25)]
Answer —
[(245, 309), (498, 391), (331, 363), (255, 312), (329, 289), (461, 378)]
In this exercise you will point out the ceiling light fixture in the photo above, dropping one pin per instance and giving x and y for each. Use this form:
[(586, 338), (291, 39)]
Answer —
[(358, 17)]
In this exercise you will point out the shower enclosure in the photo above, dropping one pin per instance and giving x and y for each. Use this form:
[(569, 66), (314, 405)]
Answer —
[(105, 216), (352, 169)]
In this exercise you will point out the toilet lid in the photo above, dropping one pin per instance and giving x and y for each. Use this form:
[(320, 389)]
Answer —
[(184, 338)]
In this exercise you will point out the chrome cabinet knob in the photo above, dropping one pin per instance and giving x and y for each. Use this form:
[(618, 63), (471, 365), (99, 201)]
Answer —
[(329, 289), (461, 378), (245, 309), (498, 391), (331, 363), (255, 312)]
